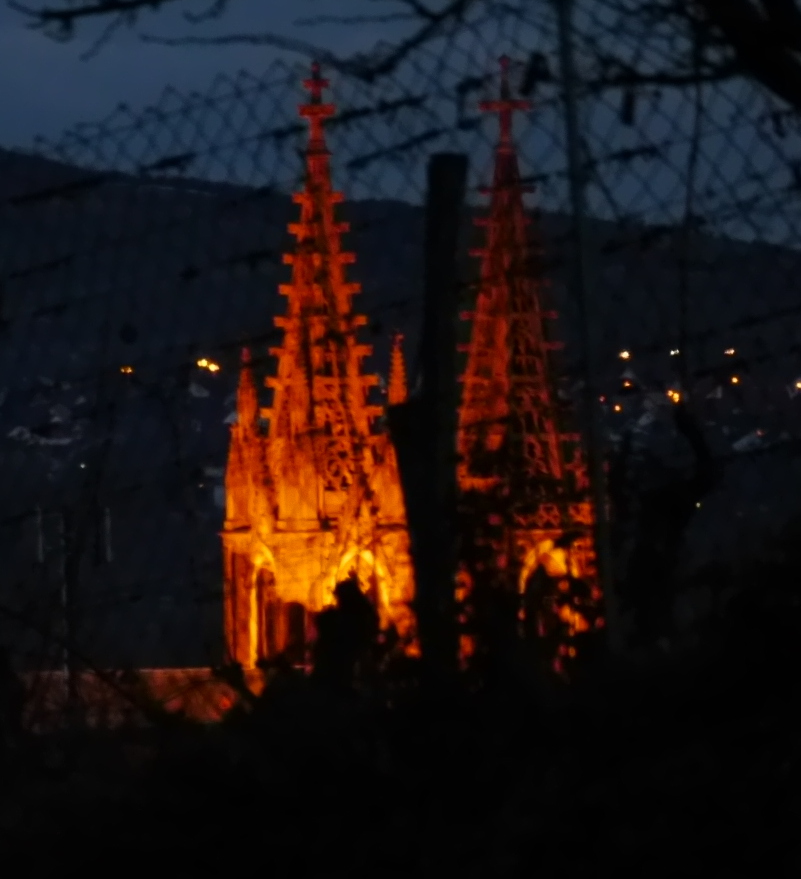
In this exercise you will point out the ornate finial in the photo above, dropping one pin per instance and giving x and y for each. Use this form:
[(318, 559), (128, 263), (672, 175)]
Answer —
[(316, 111), (315, 84), (505, 106)]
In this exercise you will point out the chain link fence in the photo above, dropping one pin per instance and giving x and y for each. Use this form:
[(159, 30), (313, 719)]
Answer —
[(138, 255)]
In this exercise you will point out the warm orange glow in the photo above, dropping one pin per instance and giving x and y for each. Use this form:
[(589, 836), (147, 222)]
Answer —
[(509, 410), (735, 380), (730, 352), (127, 370), (627, 384), (617, 407), (397, 390), (573, 619), (203, 363), (675, 396), (625, 355), (315, 497)]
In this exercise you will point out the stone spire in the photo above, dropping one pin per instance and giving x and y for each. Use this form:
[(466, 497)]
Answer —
[(247, 402), (240, 469), (320, 386), (513, 449), (316, 487)]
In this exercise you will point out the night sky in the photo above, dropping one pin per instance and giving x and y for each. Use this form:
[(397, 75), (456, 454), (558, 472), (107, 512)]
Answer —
[(47, 87)]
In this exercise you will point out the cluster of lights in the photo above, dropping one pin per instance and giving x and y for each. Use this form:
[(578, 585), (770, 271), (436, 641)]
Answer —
[(674, 395), (674, 352), (203, 363)]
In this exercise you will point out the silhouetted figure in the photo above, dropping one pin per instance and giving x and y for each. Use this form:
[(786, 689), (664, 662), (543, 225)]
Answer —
[(661, 516), (360, 624), (535, 595), (347, 637)]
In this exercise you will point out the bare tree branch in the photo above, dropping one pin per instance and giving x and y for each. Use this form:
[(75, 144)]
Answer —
[(766, 39), (760, 38), (63, 18), (368, 67)]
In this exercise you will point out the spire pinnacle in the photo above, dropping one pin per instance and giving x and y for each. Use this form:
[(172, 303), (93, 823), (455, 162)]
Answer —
[(505, 106), (315, 84), (315, 110), (397, 389), (247, 403)]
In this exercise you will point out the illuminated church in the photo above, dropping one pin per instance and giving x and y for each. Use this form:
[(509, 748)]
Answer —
[(313, 493), (312, 487)]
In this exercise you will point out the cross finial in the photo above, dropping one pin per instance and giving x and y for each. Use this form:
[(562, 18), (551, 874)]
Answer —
[(316, 83), (505, 106)]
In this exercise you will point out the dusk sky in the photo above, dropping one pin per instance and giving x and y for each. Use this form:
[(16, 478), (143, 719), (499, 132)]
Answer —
[(47, 87)]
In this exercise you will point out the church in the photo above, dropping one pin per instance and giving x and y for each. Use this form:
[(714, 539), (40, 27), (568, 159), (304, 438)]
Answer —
[(312, 487), (313, 491)]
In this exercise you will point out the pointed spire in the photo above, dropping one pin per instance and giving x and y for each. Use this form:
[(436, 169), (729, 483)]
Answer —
[(397, 388), (319, 348), (507, 368), (247, 403)]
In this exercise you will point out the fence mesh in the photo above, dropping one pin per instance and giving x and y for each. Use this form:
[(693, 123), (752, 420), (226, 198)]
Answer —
[(139, 254)]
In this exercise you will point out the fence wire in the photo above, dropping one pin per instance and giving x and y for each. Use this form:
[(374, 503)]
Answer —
[(137, 251)]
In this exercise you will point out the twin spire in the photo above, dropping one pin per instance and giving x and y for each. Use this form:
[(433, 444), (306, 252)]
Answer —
[(316, 111)]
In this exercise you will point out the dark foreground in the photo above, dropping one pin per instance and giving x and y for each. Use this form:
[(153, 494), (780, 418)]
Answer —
[(688, 769)]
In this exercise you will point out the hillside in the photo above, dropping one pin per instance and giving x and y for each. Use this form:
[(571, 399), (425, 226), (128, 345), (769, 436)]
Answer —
[(98, 272)]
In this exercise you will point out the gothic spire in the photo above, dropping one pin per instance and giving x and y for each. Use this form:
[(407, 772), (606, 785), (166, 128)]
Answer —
[(317, 492), (506, 383), (320, 381), (513, 451)]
